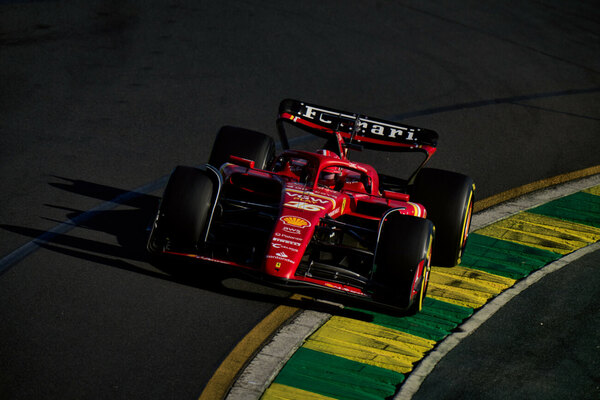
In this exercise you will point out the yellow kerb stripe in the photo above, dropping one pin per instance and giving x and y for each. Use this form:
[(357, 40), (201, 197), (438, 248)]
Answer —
[(283, 392), (595, 190), (543, 232), (465, 287), (369, 344)]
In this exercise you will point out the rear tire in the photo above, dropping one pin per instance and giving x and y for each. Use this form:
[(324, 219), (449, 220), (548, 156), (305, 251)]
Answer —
[(401, 260), (244, 143), (186, 206), (448, 198)]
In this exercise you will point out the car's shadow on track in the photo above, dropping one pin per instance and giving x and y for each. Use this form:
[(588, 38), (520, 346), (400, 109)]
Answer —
[(116, 238)]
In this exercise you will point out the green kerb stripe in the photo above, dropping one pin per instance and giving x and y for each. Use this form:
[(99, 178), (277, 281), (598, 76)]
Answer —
[(504, 258), (337, 377), (436, 320), (582, 208)]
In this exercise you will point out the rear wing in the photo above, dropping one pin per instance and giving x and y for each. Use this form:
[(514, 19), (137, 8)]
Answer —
[(353, 129)]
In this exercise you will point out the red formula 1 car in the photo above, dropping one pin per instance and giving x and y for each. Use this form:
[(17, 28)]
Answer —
[(316, 220)]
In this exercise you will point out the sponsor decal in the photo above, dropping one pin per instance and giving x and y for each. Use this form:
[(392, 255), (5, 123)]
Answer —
[(283, 235), (295, 221), (312, 198), (294, 231), (307, 198), (282, 254), (289, 242), (280, 259), (343, 205), (282, 246), (301, 205), (362, 126), (277, 265), (296, 186)]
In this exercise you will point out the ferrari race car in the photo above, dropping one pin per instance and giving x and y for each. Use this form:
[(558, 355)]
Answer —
[(314, 219)]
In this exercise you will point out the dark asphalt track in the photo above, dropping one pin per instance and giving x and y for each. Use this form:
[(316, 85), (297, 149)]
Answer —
[(543, 344), (99, 98)]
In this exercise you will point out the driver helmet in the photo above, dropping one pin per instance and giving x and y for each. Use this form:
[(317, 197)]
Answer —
[(328, 176)]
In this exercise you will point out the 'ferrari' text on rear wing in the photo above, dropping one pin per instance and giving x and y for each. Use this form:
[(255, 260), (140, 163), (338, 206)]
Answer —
[(369, 132)]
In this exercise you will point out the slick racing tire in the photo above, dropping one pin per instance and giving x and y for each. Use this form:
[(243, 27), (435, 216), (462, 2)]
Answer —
[(448, 198), (244, 143), (185, 207), (402, 261)]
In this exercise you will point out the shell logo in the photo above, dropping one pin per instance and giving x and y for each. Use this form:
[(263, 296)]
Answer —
[(295, 221)]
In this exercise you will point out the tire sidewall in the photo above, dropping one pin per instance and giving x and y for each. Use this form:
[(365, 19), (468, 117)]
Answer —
[(186, 205), (404, 242), (448, 199)]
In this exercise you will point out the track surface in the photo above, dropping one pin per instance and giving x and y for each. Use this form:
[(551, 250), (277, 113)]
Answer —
[(560, 314), (100, 98)]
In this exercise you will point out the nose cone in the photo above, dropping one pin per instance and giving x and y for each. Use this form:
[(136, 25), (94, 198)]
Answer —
[(300, 214)]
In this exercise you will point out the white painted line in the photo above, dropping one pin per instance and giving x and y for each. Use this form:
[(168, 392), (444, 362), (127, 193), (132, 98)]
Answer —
[(30, 247)]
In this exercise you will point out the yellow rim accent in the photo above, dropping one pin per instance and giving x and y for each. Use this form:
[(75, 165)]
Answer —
[(466, 222), (426, 274)]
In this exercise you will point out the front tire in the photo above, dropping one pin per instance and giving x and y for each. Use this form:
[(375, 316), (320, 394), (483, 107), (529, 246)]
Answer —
[(402, 261), (185, 208)]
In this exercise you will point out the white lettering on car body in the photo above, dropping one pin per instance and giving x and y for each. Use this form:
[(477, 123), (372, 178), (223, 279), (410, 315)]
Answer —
[(304, 206)]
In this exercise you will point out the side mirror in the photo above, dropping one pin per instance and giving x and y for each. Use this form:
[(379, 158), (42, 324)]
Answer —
[(244, 162), (395, 195)]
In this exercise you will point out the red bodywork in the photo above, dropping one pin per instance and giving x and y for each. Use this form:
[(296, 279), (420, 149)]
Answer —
[(304, 204)]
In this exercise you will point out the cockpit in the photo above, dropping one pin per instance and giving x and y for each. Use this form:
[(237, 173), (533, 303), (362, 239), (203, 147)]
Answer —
[(325, 171)]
